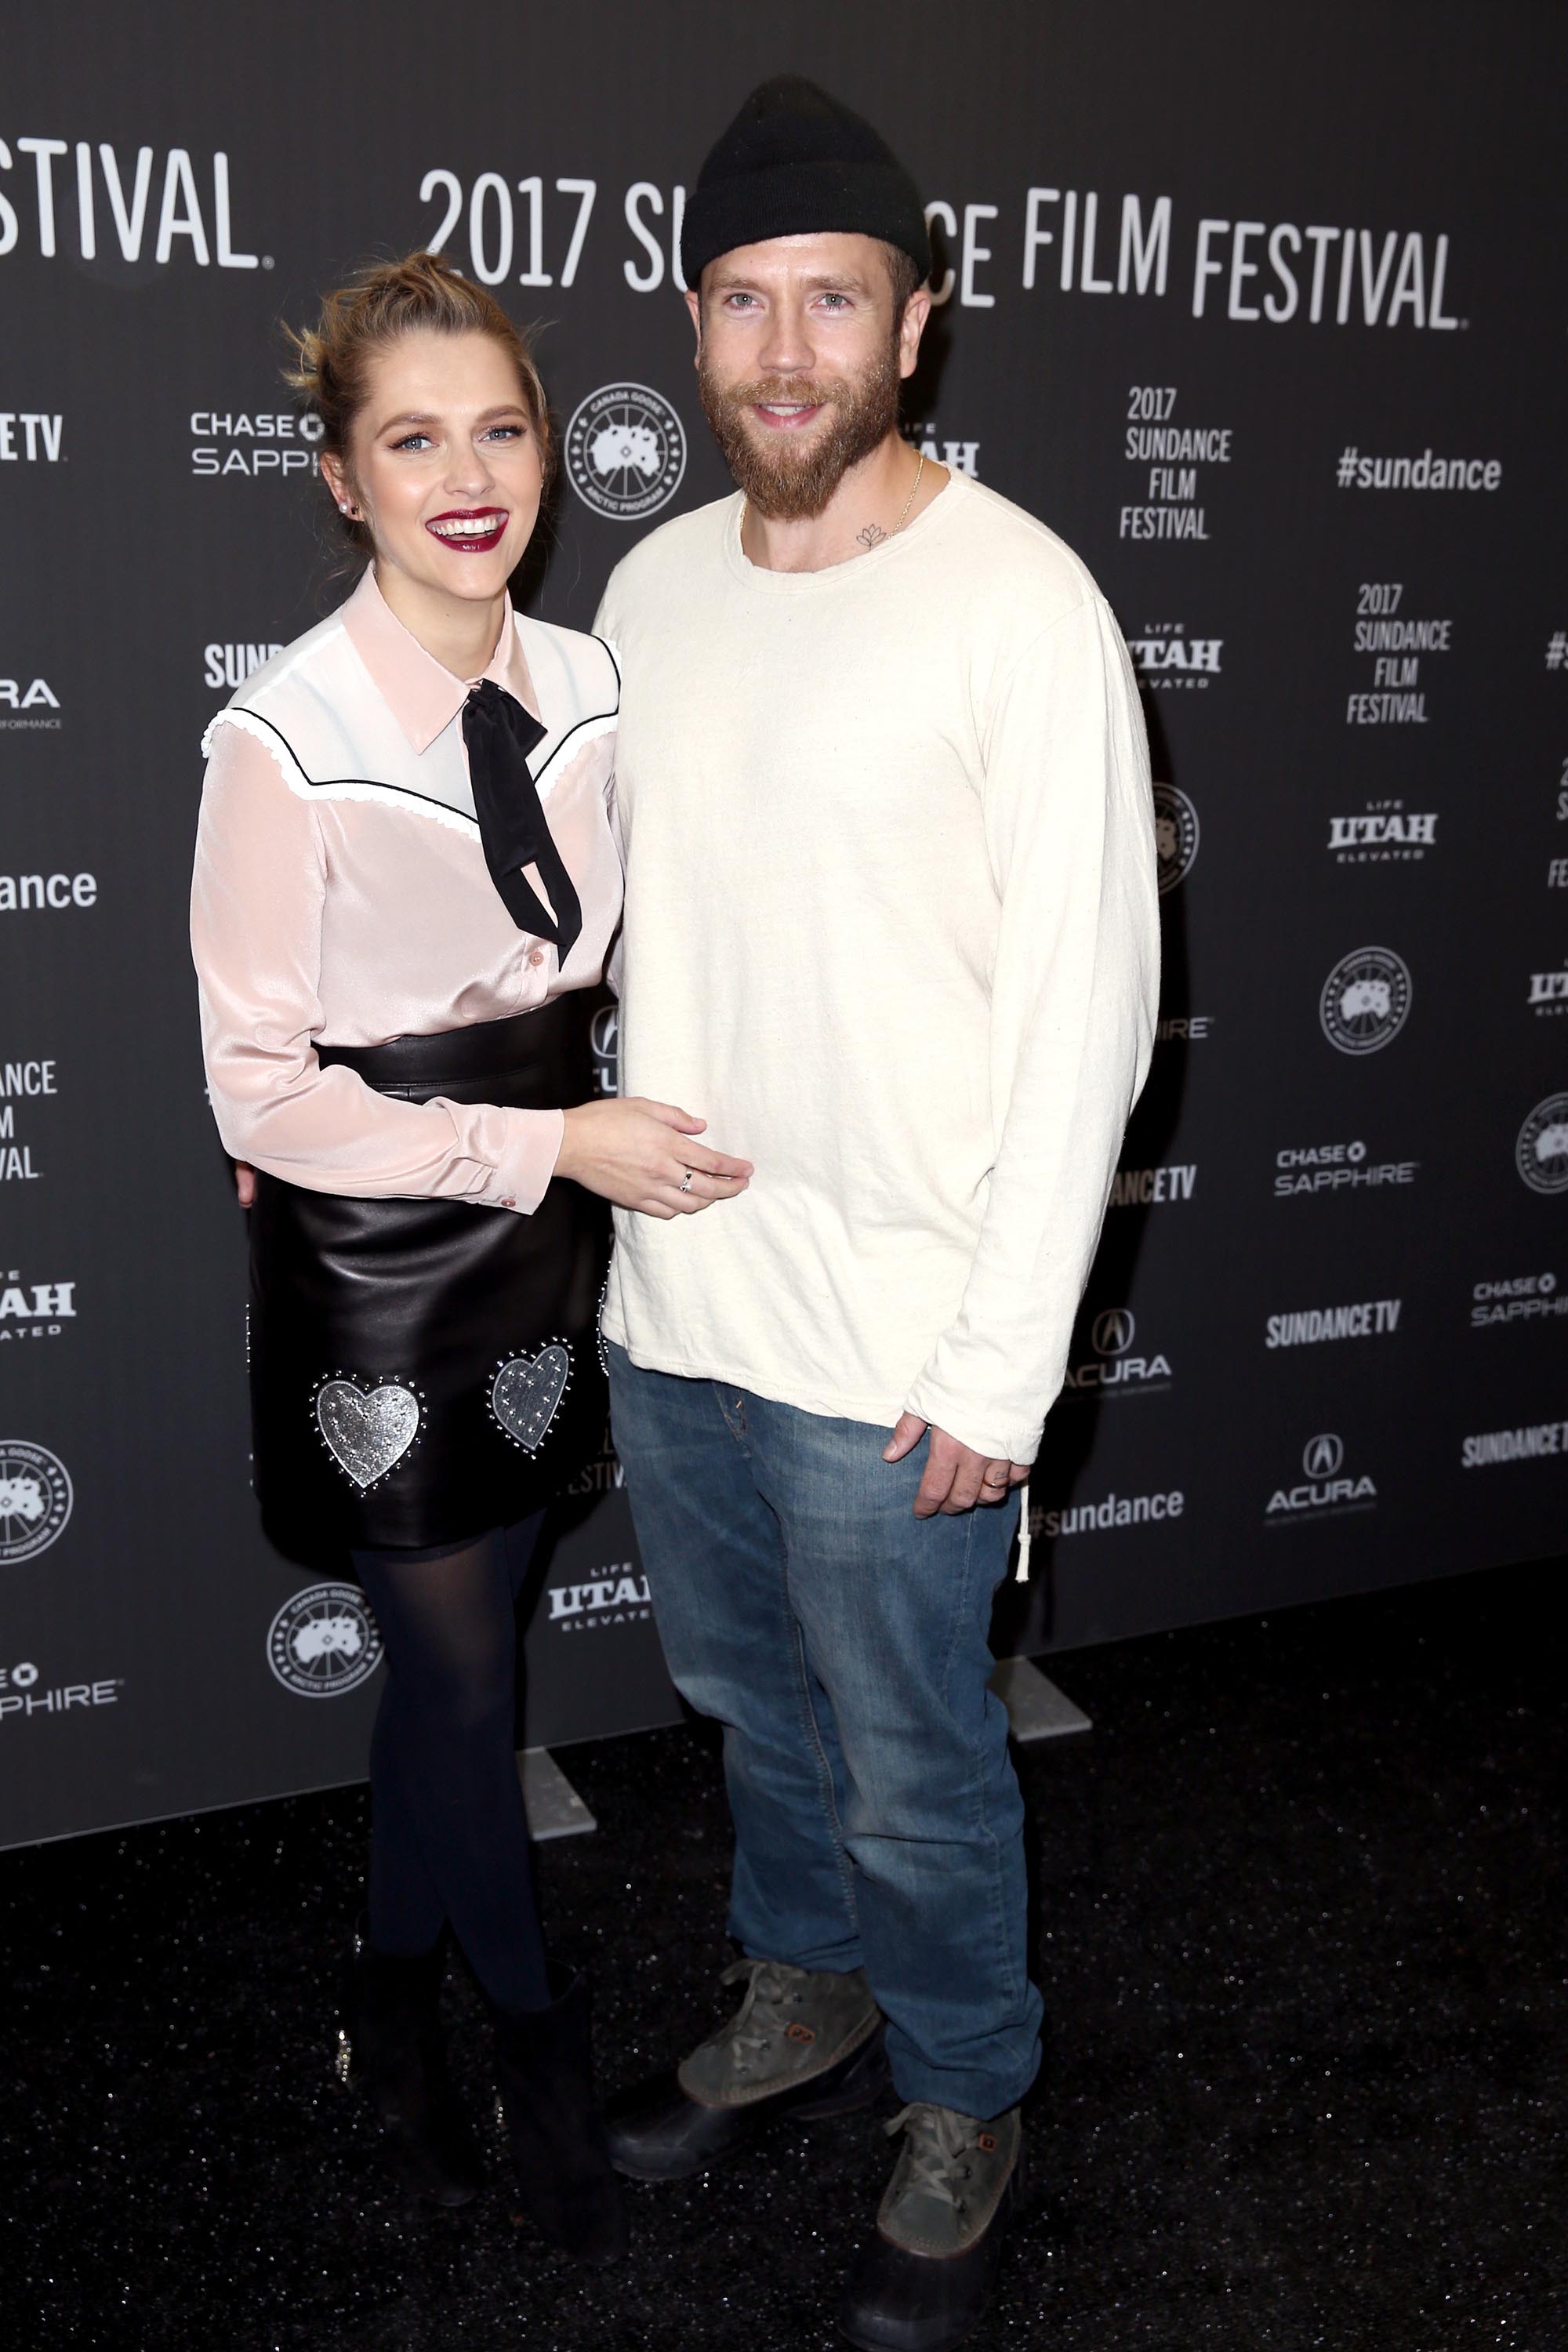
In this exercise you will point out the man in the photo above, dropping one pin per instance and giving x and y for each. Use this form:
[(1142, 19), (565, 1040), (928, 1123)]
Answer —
[(891, 924)]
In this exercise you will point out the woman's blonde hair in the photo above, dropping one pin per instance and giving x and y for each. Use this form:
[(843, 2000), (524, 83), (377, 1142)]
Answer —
[(422, 293)]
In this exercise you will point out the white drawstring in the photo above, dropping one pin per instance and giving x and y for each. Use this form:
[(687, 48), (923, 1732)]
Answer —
[(1021, 1574)]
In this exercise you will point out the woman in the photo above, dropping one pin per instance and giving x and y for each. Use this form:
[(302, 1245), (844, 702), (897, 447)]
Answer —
[(406, 882)]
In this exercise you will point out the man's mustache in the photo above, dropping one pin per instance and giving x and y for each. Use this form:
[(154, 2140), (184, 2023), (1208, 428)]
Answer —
[(764, 393)]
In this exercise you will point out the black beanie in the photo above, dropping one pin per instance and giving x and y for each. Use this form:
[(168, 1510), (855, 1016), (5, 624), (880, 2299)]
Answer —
[(792, 162)]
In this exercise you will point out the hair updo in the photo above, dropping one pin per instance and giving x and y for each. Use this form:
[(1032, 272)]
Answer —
[(421, 294)]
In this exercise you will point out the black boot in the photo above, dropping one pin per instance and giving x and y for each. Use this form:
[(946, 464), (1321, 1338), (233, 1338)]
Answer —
[(569, 2190), (392, 2047)]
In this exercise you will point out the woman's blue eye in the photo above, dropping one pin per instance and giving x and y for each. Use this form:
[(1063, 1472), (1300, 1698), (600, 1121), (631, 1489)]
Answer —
[(409, 439)]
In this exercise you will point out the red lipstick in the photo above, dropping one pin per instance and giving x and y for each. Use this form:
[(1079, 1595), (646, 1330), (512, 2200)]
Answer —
[(481, 533)]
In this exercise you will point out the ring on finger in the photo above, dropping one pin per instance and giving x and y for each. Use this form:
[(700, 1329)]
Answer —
[(685, 1184)]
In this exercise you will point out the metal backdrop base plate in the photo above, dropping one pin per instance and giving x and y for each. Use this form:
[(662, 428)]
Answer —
[(552, 1805), (1035, 1708)]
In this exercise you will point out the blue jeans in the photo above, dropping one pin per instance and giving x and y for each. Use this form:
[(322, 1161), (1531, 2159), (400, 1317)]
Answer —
[(842, 1643)]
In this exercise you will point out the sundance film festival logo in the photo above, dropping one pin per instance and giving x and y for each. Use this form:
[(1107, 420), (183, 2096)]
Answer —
[(1541, 1153), (619, 1597), (1365, 1001), (30, 706), (1175, 837), (262, 446), (35, 1499), (21, 1082), (1325, 1490), (1388, 834), (98, 201), (1114, 1369), (324, 1641), (34, 1310), (624, 451)]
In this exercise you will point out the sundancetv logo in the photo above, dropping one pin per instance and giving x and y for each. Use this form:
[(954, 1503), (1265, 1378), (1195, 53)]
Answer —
[(1540, 1441), (1364, 1318)]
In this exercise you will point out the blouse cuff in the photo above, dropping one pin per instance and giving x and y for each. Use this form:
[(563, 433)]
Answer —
[(530, 1147)]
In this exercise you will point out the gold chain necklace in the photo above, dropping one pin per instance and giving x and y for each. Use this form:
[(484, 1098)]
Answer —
[(909, 502)]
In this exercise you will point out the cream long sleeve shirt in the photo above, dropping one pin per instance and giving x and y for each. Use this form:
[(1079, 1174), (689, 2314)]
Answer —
[(891, 929)]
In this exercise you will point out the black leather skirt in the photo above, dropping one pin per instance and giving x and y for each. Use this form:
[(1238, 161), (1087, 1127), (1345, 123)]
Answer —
[(422, 1371)]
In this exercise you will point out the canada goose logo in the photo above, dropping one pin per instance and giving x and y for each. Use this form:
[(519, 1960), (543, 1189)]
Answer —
[(324, 1641), (1175, 837), (1365, 999), (626, 451)]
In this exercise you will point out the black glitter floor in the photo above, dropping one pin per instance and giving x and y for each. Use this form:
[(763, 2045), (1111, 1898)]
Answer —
[(1301, 1907)]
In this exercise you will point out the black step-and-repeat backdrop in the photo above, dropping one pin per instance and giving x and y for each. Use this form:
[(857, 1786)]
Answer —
[(1263, 312)]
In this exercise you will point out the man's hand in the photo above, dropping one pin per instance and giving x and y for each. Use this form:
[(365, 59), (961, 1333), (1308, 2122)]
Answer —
[(244, 1182), (955, 1477)]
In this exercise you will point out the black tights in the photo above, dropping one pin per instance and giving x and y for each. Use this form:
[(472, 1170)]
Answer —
[(449, 1835)]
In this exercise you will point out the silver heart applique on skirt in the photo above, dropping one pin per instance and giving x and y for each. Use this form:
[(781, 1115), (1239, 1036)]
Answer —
[(366, 1432), (527, 1392)]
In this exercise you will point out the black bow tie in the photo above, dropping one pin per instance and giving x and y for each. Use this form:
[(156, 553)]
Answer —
[(500, 734)]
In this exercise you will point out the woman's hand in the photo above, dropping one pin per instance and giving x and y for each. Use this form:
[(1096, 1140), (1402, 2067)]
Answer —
[(638, 1154)]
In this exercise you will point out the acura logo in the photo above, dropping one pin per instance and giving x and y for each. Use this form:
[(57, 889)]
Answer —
[(1323, 1457), (1112, 1332)]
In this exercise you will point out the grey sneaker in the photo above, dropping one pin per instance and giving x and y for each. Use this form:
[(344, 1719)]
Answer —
[(950, 2178), (792, 2025)]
